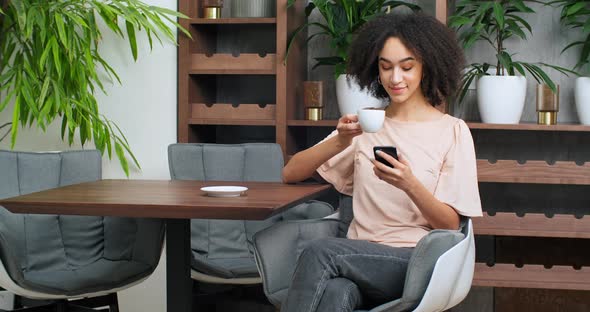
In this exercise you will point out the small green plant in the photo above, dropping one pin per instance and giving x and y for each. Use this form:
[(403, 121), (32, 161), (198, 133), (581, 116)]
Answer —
[(576, 14), (342, 18), (50, 65), (494, 22)]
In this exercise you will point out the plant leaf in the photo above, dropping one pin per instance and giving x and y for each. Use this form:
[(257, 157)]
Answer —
[(132, 39), (499, 14), (576, 7)]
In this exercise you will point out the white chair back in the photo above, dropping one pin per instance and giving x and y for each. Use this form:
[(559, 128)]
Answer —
[(452, 275)]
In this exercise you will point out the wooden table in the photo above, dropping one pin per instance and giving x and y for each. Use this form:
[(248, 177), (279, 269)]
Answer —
[(175, 201)]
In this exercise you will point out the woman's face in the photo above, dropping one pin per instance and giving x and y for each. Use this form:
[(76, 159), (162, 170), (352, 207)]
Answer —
[(400, 71)]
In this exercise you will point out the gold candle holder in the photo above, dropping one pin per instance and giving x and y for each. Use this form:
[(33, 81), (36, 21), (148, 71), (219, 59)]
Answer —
[(313, 99), (547, 105), (212, 8)]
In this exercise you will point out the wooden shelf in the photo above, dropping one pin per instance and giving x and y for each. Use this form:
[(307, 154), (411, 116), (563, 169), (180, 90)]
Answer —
[(472, 125), (532, 225), (232, 72), (531, 276), (250, 20), (228, 64), (533, 171), (312, 123), (231, 122), (530, 126), (228, 114)]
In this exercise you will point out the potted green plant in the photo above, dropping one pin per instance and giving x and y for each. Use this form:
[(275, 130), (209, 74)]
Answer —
[(575, 14), (51, 67), (501, 96), (341, 18)]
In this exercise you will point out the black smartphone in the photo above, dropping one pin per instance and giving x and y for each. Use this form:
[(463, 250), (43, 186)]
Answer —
[(389, 150)]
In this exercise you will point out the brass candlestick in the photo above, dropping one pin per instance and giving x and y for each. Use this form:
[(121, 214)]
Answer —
[(212, 8), (313, 99), (547, 105)]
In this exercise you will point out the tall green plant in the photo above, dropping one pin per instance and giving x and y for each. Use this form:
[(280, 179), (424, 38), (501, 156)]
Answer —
[(494, 22), (576, 14), (341, 19), (50, 66)]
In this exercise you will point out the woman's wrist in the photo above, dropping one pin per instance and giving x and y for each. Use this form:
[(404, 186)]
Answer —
[(413, 187)]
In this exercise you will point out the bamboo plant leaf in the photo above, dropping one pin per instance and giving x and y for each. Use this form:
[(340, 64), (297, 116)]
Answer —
[(131, 38)]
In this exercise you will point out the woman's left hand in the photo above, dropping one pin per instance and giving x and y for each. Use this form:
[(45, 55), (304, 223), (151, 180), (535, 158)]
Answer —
[(400, 175)]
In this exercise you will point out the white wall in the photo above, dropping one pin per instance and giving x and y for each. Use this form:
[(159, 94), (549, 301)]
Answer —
[(144, 107)]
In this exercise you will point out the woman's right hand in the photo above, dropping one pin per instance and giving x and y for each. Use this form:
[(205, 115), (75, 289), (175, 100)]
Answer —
[(348, 127)]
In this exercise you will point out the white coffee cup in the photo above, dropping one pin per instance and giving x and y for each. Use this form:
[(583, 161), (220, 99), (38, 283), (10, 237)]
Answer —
[(371, 119)]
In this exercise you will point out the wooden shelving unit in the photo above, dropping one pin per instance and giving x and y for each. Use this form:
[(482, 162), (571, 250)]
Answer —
[(214, 67), (516, 238)]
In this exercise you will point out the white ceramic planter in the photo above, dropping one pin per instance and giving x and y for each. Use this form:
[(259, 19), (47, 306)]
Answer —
[(500, 99), (582, 98), (351, 98)]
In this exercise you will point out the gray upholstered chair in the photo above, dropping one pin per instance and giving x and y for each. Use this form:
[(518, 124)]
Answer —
[(439, 273), (221, 249), (66, 257)]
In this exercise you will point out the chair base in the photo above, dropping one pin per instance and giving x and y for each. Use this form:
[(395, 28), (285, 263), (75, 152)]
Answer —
[(106, 303)]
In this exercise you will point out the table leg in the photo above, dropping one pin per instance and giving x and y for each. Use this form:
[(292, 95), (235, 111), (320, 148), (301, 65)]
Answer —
[(178, 266)]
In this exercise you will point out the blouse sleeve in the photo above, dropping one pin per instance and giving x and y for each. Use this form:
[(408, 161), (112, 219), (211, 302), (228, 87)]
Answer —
[(339, 170), (457, 185)]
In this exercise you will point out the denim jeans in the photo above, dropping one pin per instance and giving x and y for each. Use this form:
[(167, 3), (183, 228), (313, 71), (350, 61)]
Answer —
[(336, 272)]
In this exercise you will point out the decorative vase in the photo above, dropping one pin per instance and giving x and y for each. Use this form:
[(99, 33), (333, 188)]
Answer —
[(582, 98), (212, 8), (253, 8), (500, 99), (351, 98), (547, 105)]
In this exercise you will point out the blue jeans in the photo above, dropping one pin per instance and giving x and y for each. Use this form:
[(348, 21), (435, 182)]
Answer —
[(339, 274)]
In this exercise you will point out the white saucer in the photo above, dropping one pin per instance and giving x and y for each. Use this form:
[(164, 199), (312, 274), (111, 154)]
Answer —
[(224, 191)]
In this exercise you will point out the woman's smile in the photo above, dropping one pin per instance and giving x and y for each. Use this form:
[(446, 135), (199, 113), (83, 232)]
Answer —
[(397, 90)]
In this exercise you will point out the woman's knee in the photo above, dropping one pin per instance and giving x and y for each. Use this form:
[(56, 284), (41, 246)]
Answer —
[(320, 249)]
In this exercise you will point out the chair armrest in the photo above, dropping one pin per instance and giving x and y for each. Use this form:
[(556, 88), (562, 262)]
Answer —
[(313, 209), (277, 248)]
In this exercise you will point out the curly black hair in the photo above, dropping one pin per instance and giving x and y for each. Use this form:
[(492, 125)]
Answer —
[(433, 43)]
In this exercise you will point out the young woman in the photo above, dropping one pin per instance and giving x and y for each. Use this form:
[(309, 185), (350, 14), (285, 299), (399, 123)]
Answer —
[(415, 62)]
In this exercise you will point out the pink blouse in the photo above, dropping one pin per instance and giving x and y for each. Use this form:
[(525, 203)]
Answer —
[(441, 155)]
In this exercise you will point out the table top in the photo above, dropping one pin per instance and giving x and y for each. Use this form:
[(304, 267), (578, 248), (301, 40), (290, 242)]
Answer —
[(164, 199)]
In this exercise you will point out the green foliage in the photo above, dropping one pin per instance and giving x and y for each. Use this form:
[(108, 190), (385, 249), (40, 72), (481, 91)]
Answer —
[(494, 22), (51, 68), (341, 19), (576, 14)]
